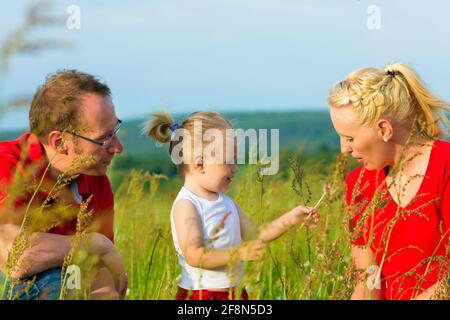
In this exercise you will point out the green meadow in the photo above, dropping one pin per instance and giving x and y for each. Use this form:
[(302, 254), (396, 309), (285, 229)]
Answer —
[(303, 264)]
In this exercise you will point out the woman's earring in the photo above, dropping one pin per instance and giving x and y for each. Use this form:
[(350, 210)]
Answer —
[(385, 140)]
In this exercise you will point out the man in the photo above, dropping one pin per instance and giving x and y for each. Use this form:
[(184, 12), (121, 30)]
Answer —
[(56, 175)]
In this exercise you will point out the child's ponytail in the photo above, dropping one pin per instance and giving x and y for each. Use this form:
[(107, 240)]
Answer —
[(158, 127), (161, 126)]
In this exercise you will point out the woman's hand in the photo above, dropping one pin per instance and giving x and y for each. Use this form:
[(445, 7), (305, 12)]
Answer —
[(428, 293)]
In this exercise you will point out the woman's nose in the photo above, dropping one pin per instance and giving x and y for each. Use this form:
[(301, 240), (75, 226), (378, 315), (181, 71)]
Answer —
[(345, 147)]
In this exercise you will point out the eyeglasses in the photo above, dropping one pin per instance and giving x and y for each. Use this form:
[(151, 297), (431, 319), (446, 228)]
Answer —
[(102, 143)]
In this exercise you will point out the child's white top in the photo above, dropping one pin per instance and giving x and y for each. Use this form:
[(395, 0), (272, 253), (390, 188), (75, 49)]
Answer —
[(221, 229)]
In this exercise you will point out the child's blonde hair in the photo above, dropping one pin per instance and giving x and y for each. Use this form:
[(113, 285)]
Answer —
[(395, 92), (160, 124)]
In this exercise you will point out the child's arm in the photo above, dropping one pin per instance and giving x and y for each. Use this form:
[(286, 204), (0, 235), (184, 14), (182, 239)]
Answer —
[(277, 227), (248, 229), (190, 239)]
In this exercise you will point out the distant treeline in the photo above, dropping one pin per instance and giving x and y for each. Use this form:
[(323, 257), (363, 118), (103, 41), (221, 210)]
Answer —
[(308, 133)]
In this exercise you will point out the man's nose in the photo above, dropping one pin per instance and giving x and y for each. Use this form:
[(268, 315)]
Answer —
[(116, 146)]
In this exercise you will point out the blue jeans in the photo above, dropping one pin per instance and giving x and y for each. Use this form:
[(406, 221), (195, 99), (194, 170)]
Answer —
[(46, 286)]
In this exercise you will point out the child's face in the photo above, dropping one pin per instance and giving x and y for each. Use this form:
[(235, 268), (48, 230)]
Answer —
[(218, 169), (218, 177)]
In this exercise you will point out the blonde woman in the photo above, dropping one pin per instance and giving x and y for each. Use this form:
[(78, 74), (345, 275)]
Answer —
[(399, 198)]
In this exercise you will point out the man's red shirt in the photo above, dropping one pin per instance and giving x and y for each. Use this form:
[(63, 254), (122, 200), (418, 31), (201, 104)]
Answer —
[(24, 158)]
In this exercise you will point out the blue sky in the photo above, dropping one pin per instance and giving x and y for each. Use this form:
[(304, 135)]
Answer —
[(224, 55)]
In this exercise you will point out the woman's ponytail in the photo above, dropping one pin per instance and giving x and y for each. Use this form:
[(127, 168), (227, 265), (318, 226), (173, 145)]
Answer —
[(430, 110)]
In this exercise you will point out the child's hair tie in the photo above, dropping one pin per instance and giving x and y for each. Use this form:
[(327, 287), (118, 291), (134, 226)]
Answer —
[(174, 127), (391, 73)]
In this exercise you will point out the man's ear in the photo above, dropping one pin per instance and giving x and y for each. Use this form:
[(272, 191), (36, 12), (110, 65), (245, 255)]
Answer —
[(385, 129), (198, 164), (56, 142)]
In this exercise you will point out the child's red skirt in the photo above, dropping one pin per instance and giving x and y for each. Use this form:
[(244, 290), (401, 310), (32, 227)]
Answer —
[(184, 294)]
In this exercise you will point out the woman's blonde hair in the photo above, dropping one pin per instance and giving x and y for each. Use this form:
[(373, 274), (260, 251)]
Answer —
[(161, 126), (395, 92)]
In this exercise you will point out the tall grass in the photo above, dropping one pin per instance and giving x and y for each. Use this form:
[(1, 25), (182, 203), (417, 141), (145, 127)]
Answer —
[(306, 263), (303, 264)]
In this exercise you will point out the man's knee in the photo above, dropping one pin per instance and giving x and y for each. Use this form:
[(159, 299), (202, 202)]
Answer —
[(103, 287), (105, 293)]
